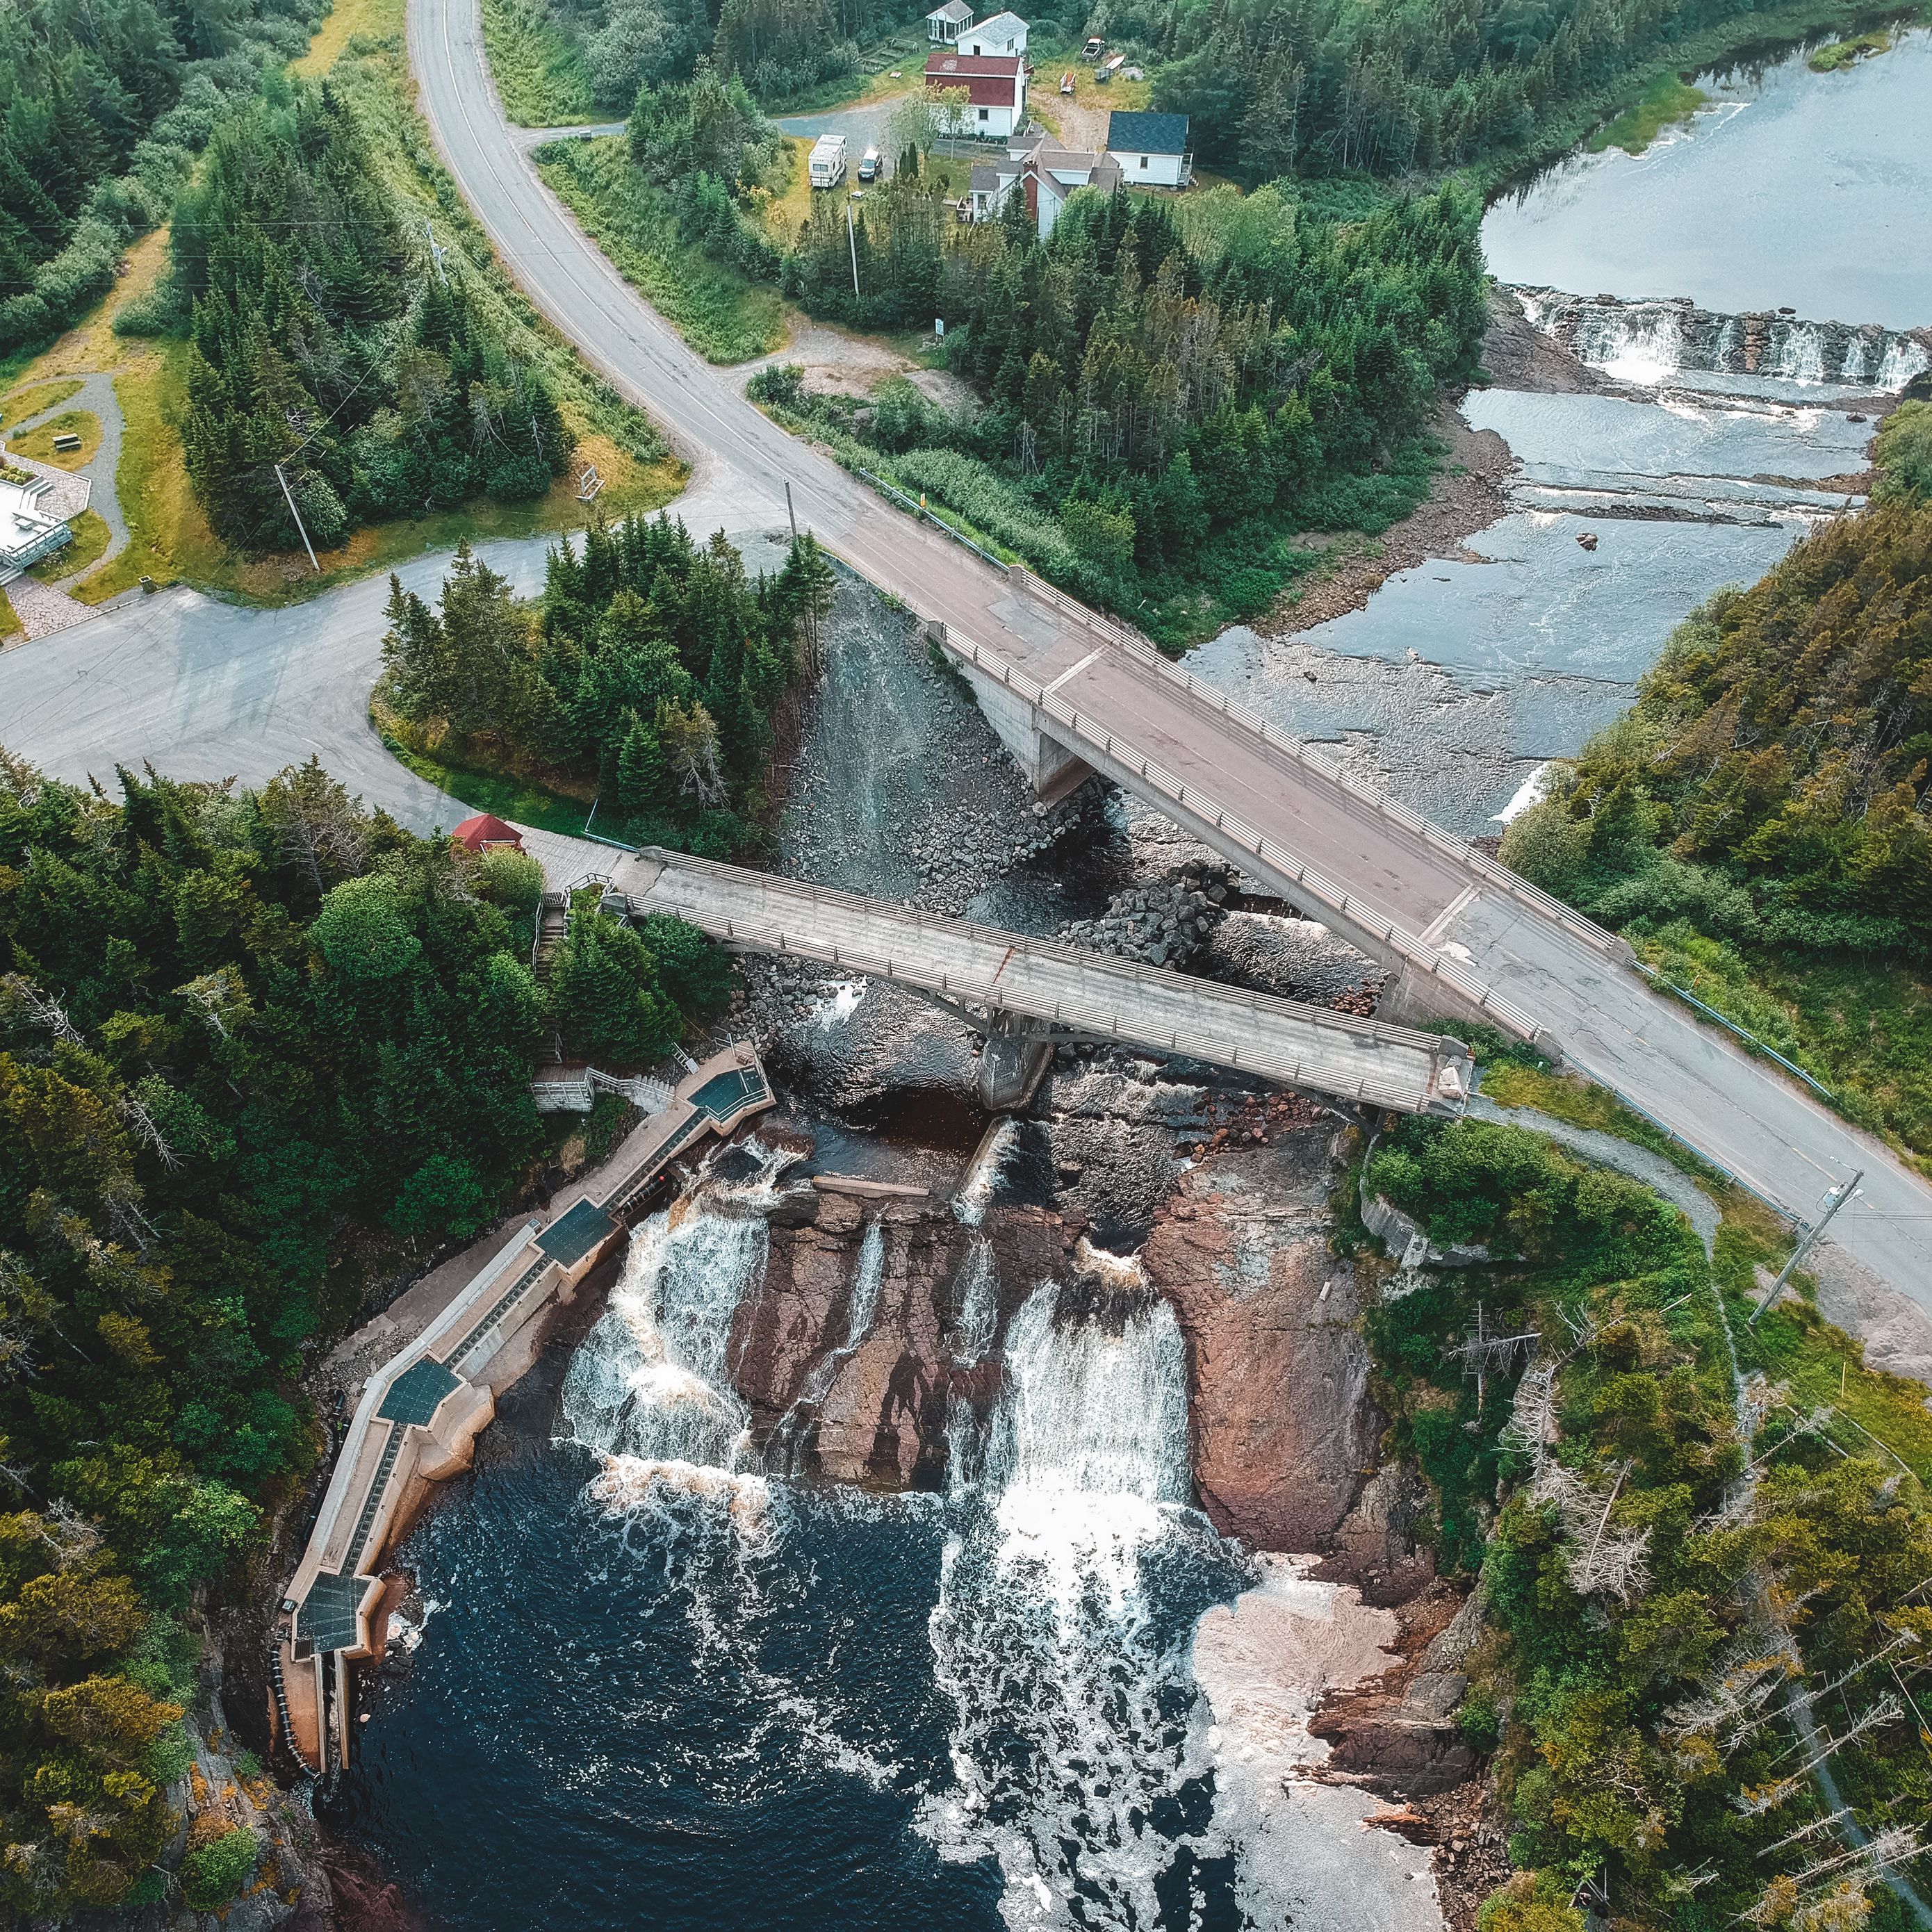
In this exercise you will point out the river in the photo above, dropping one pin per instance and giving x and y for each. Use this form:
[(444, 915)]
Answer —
[(653, 1683), (1462, 676)]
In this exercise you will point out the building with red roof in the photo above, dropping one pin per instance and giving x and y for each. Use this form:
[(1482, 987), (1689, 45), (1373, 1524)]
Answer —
[(995, 85), (483, 833)]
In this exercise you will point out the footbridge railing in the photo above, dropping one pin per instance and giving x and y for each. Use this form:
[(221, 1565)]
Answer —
[(1079, 994)]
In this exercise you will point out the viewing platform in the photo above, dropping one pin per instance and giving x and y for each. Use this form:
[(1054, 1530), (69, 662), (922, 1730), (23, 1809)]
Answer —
[(422, 1411)]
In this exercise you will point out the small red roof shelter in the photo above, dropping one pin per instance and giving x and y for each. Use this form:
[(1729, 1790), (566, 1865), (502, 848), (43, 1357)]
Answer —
[(483, 833)]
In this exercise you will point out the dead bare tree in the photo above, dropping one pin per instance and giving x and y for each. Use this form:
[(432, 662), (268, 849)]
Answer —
[(1485, 1351)]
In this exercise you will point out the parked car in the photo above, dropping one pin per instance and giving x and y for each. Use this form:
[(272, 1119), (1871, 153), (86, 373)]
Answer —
[(868, 165), (1091, 51)]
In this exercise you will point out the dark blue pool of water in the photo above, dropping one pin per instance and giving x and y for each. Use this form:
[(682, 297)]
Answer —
[(666, 1717)]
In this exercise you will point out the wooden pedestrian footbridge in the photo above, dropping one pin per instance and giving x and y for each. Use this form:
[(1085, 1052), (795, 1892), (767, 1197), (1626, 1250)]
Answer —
[(419, 1413)]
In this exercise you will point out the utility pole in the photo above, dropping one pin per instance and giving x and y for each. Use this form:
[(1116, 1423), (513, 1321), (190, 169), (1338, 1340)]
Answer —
[(852, 242), (1838, 1197), (791, 513), (437, 251), (289, 496)]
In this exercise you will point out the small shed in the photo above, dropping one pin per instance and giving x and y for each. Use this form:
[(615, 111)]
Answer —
[(944, 24), (484, 833), (1151, 149)]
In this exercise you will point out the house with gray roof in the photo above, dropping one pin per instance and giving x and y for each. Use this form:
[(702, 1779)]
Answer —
[(1151, 149)]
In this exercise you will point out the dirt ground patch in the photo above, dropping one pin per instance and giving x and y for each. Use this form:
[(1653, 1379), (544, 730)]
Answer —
[(1467, 497), (838, 363)]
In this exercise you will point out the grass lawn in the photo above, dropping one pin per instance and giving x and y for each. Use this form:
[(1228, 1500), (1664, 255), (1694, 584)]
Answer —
[(784, 214), (1667, 100), (1863, 1028), (38, 442), (724, 316), (539, 70), (22, 403), (10, 625), (1848, 53), (345, 21), (524, 801), (92, 537)]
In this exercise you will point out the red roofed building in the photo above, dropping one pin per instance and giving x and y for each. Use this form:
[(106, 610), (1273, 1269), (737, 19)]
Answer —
[(483, 833), (996, 86)]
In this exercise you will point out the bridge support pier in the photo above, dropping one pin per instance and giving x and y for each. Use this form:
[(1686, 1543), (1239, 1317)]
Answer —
[(1048, 765), (1012, 1063)]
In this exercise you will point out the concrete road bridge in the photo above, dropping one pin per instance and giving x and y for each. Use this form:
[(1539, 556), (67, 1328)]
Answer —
[(206, 690), (1025, 995)]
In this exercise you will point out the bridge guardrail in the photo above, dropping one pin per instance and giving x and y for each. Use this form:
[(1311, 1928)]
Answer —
[(1493, 873), (1094, 1017), (1508, 1016)]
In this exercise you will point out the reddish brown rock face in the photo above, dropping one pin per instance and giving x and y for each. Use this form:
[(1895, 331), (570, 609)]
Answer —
[(876, 1413), (1283, 1436)]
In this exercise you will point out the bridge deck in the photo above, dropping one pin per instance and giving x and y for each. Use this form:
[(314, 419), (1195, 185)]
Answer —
[(1088, 993)]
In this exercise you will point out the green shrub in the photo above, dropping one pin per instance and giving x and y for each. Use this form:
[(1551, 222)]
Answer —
[(513, 880), (1479, 1719), (213, 1873)]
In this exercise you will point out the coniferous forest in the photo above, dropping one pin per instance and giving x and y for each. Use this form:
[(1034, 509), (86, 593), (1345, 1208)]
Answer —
[(1169, 391), (104, 105), (323, 342), (653, 668), (242, 1035)]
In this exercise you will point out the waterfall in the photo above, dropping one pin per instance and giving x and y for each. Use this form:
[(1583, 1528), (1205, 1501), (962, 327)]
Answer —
[(1854, 368), (979, 1303), (1802, 358), (1725, 349), (1633, 345), (982, 1172), (648, 1386), (1074, 1728), (1903, 359), (865, 1280), (867, 1275), (1092, 1432)]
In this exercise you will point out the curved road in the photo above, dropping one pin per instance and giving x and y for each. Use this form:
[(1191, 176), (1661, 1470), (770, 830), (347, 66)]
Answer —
[(212, 690)]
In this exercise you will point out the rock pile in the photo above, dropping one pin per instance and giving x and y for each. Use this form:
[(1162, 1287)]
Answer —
[(1164, 924)]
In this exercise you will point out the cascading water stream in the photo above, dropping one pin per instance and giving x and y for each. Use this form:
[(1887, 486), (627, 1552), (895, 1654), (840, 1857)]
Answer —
[(1074, 1747), (867, 1275), (649, 1387)]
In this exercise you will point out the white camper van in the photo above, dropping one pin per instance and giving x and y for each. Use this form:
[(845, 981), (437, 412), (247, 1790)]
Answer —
[(827, 166)]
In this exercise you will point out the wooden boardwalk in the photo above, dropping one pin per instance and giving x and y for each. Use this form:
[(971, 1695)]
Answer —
[(420, 1412)]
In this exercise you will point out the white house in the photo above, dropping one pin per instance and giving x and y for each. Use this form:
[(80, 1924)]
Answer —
[(1003, 34), (1151, 149), (996, 88), (944, 24), (1045, 174)]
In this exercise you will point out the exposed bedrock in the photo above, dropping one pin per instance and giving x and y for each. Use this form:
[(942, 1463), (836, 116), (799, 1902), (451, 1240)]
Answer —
[(1283, 1432), (872, 1406)]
